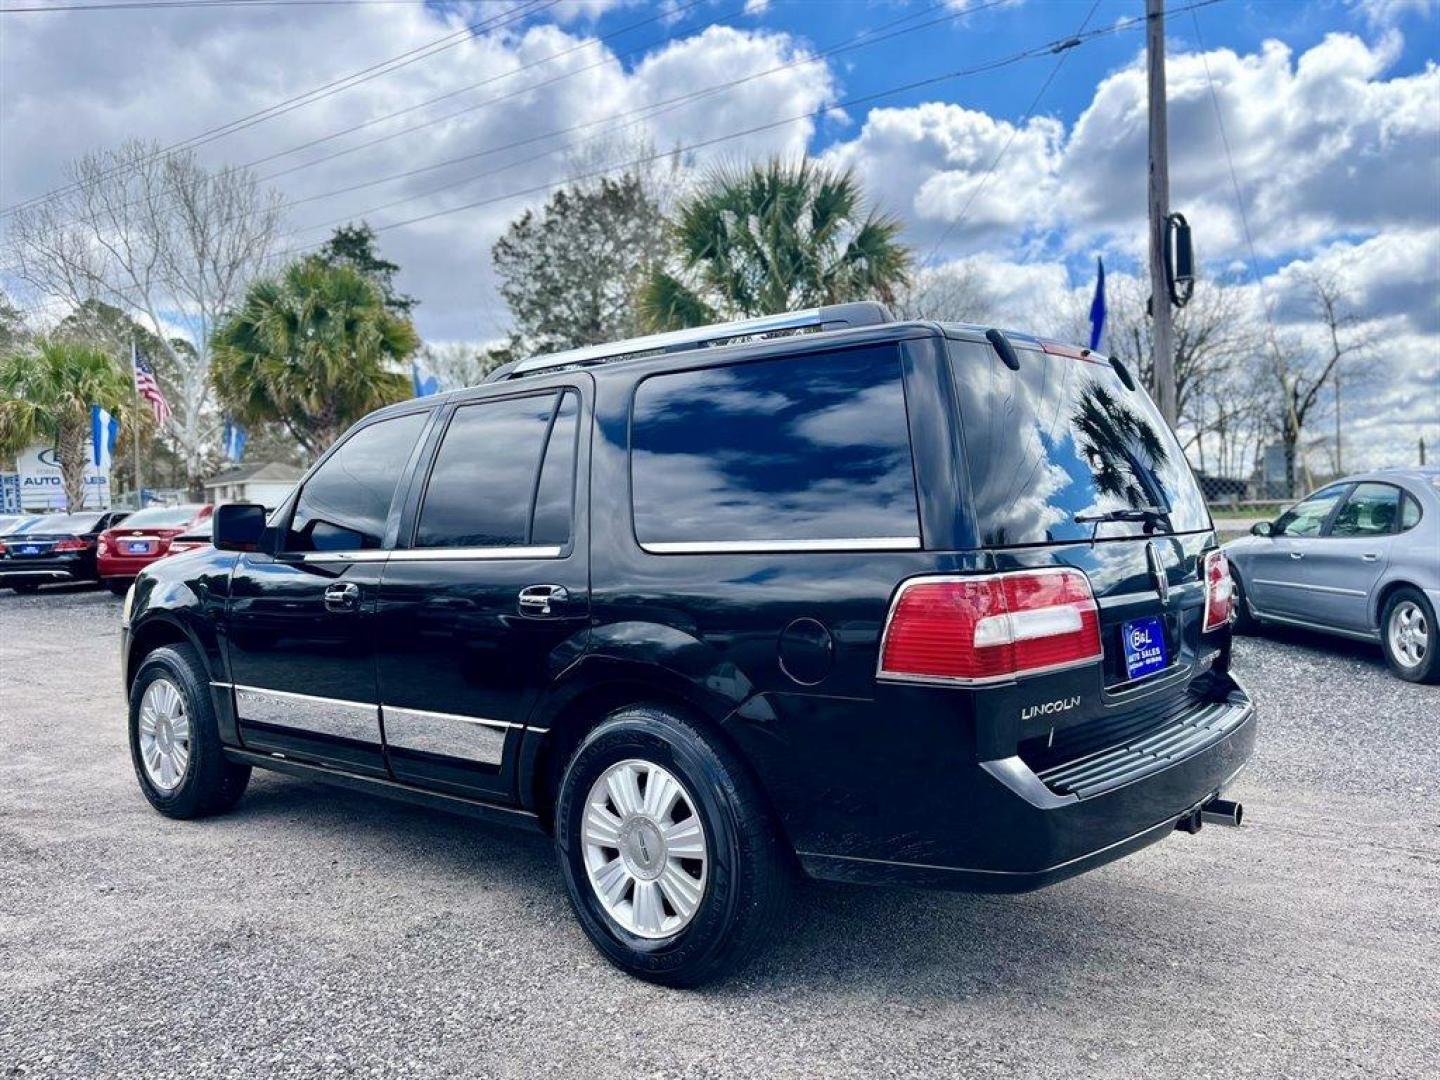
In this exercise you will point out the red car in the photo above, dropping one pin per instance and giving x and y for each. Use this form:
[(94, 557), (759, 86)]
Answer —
[(145, 536)]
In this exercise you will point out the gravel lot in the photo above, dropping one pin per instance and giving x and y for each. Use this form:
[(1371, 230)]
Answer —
[(318, 933)]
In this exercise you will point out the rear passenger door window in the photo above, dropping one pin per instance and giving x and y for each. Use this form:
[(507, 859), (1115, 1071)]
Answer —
[(787, 454), (488, 488)]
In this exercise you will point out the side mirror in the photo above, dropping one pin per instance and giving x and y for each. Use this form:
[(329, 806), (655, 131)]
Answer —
[(1262, 528), (239, 526)]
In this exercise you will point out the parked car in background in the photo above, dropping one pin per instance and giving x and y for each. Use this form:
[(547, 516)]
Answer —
[(193, 539), (146, 536), (1359, 558), (887, 602), (56, 548)]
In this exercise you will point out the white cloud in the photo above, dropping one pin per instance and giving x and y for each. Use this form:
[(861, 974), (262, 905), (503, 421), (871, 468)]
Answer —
[(1389, 12), (67, 93)]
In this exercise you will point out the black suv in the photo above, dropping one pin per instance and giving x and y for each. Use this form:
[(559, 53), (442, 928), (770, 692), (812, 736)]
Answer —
[(875, 601)]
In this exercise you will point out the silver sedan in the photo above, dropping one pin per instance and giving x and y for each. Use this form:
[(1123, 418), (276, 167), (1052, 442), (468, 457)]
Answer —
[(1360, 558)]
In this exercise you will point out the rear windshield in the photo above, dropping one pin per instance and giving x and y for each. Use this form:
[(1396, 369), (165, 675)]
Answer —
[(1062, 437), (162, 517), (67, 523)]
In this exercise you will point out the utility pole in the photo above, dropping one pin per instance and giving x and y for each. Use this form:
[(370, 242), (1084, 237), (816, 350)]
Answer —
[(1162, 337)]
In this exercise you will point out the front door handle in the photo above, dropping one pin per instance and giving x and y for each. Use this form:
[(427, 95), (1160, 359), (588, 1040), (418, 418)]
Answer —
[(1369, 556), (540, 599), (342, 596)]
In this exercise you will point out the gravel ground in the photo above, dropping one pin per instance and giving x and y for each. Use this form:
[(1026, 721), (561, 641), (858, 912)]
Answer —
[(317, 933)]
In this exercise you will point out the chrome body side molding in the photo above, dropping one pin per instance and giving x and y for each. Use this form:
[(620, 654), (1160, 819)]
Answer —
[(353, 720), (469, 738)]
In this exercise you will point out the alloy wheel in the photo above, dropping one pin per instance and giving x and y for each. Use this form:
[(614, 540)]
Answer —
[(1409, 633), (645, 849), (164, 731)]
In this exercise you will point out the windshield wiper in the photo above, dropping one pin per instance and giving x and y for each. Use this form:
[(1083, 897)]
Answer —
[(1151, 516)]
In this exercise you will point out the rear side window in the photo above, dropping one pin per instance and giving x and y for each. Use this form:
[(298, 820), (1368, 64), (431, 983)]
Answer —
[(1371, 510), (1061, 437), (343, 506), (488, 475), (779, 452), (1409, 513)]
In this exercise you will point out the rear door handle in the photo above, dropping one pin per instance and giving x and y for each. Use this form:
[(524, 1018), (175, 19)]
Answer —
[(540, 599), (342, 596), (1297, 555), (1370, 556)]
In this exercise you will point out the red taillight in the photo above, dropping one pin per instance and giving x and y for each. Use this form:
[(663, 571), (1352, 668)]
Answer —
[(3, 549), (71, 545), (991, 627), (1219, 591)]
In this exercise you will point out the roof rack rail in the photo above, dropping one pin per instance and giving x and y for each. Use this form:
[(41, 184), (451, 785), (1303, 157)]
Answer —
[(829, 317)]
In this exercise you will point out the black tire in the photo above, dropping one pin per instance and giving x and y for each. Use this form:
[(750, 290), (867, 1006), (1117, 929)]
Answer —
[(1401, 601), (117, 586), (748, 872), (1245, 623), (209, 784), (25, 590)]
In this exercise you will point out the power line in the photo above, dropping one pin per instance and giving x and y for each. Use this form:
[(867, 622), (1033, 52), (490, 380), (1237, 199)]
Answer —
[(977, 69), (1062, 49), (864, 40), (335, 86)]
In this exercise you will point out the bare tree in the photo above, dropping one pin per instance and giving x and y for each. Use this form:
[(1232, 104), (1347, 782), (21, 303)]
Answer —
[(1217, 350), (1302, 365), (169, 241), (954, 292)]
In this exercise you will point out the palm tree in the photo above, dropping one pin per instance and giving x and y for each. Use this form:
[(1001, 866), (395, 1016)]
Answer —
[(313, 350), (771, 238), (46, 393)]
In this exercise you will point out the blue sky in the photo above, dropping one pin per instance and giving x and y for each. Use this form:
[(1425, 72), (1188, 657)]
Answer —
[(1331, 109)]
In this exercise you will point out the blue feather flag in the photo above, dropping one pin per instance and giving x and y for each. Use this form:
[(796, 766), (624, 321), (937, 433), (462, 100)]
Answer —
[(1097, 307)]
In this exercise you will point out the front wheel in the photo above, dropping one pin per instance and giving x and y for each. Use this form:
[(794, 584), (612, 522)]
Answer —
[(671, 860), (1245, 622), (1410, 637), (174, 739)]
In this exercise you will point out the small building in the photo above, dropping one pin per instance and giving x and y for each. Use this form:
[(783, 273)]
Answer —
[(268, 483)]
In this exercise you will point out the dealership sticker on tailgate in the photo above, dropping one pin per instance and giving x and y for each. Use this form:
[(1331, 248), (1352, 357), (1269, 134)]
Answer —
[(1144, 646)]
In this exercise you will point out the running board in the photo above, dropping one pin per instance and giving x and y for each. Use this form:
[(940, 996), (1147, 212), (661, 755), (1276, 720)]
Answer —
[(431, 800)]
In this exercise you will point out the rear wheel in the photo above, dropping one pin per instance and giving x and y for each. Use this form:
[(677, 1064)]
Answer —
[(673, 865), (174, 740), (1410, 637)]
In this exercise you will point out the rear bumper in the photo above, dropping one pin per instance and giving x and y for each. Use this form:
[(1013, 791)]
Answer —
[(40, 571), (1064, 820), (124, 566)]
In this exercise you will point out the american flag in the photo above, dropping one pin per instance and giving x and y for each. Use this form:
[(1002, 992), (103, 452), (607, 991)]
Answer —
[(147, 386)]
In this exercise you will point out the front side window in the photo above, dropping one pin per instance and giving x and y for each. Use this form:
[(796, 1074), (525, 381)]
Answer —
[(1371, 510), (488, 486), (345, 503), (1307, 517), (806, 449)]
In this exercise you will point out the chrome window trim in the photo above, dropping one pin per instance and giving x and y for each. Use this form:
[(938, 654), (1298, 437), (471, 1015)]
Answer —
[(438, 554), (739, 547), (1184, 590), (533, 551)]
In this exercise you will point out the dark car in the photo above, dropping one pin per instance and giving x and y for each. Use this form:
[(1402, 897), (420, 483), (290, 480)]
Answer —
[(888, 602), (56, 548)]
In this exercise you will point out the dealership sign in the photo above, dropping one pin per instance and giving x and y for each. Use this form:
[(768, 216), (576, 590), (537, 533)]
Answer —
[(41, 486)]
